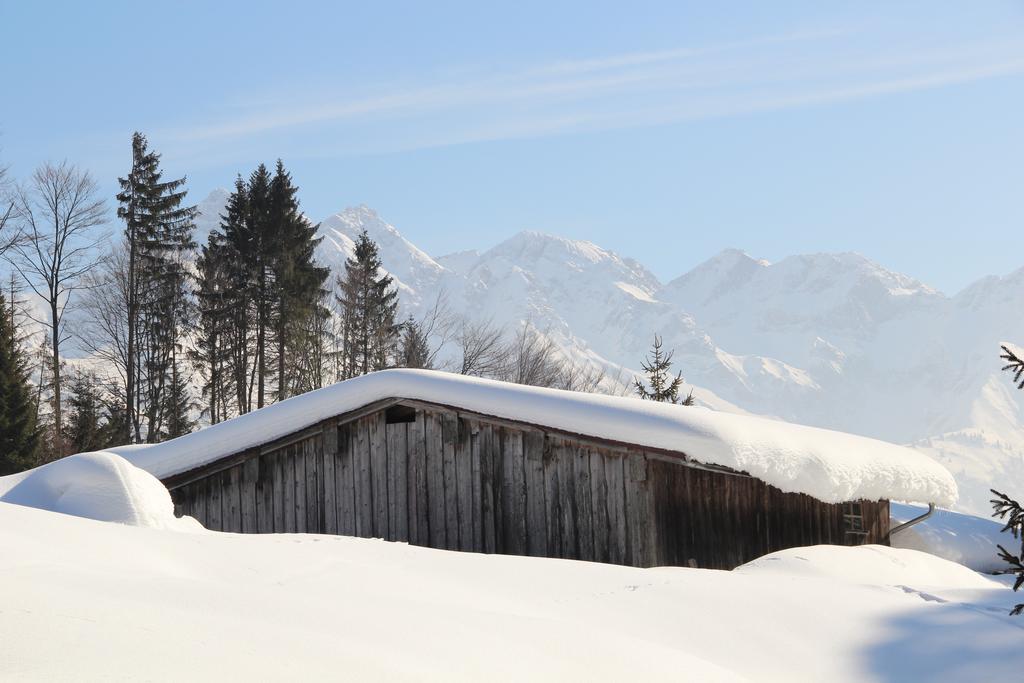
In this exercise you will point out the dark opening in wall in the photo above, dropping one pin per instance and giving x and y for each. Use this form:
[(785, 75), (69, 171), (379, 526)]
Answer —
[(399, 413)]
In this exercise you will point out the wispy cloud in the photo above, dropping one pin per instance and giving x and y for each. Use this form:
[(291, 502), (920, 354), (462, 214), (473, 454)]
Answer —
[(621, 90)]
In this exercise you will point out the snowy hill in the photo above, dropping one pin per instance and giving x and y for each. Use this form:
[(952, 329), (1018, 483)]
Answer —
[(832, 340), (95, 600)]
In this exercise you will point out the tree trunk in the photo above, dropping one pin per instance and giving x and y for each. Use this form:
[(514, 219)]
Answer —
[(131, 380), (282, 385), (58, 436), (261, 331)]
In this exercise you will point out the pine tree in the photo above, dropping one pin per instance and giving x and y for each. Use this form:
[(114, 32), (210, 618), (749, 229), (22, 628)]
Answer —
[(298, 279), (178, 404), (19, 437), (261, 243), (116, 426), (236, 256), (414, 349), (158, 232), (262, 322), (212, 351), (1006, 507), (663, 386), (369, 304), (84, 430), (311, 363)]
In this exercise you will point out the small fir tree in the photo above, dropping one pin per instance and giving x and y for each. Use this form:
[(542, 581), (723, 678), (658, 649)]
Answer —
[(178, 404), (1010, 510), (84, 429), (116, 429), (19, 437), (414, 349), (663, 386), (1007, 508), (369, 303)]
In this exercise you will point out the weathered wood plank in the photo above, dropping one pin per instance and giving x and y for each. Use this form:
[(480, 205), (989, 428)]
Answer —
[(476, 490), (329, 485), (287, 463), (364, 480), (567, 492), (282, 500), (264, 495), (488, 484), (379, 473), (614, 475), (449, 437), (182, 499), (434, 451), (638, 512), (552, 499), (198, 507), (498, 487), (213, 501), (299, 463), (249, 502), (584, 511), (536, 512), (599, 505), (232, 496), (464, 482), (513, 492), (314, 496), (418, 502), (398, 486), (345, 483)]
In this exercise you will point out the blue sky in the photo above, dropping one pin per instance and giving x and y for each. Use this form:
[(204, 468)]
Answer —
[(664, 131)]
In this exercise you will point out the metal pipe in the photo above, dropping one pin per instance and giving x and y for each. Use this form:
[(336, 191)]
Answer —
[(912, 522)]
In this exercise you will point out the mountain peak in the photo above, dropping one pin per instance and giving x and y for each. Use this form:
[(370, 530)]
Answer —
[(534, 245), (208, 213), (732, 257)]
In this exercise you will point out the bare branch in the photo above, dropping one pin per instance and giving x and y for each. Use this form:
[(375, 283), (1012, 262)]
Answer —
[(58, 214), (482, 349)]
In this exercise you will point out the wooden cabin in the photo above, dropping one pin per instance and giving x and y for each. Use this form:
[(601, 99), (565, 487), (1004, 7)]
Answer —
[(444, 475)]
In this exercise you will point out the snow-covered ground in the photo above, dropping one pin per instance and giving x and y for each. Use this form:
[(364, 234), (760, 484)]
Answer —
[(955, 536), (84, 599)]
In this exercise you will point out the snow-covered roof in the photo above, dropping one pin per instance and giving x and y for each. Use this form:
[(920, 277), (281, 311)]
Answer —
[(831, 466)]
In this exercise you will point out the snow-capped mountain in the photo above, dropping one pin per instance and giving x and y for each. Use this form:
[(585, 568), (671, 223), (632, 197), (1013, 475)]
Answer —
[(833, 340)]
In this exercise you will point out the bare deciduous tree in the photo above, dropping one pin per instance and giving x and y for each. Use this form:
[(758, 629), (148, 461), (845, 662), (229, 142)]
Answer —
[(590, 378), (482, 348), (533, 359), (57, 212), (104, 328), (436, 328), (9, 235)]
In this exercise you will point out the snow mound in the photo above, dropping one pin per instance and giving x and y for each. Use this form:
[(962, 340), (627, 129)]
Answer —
[(957, 537), (831, 466), (102, 486), (869, 564), (85, 601)]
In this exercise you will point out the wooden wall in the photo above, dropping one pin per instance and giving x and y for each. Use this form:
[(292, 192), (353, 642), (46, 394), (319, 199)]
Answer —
[(461, 482)]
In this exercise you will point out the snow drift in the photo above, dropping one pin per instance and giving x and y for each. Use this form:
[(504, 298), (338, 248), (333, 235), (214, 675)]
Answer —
[(966, 539), (869, 564), (101, 486), (83, 600), (831, 466)]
